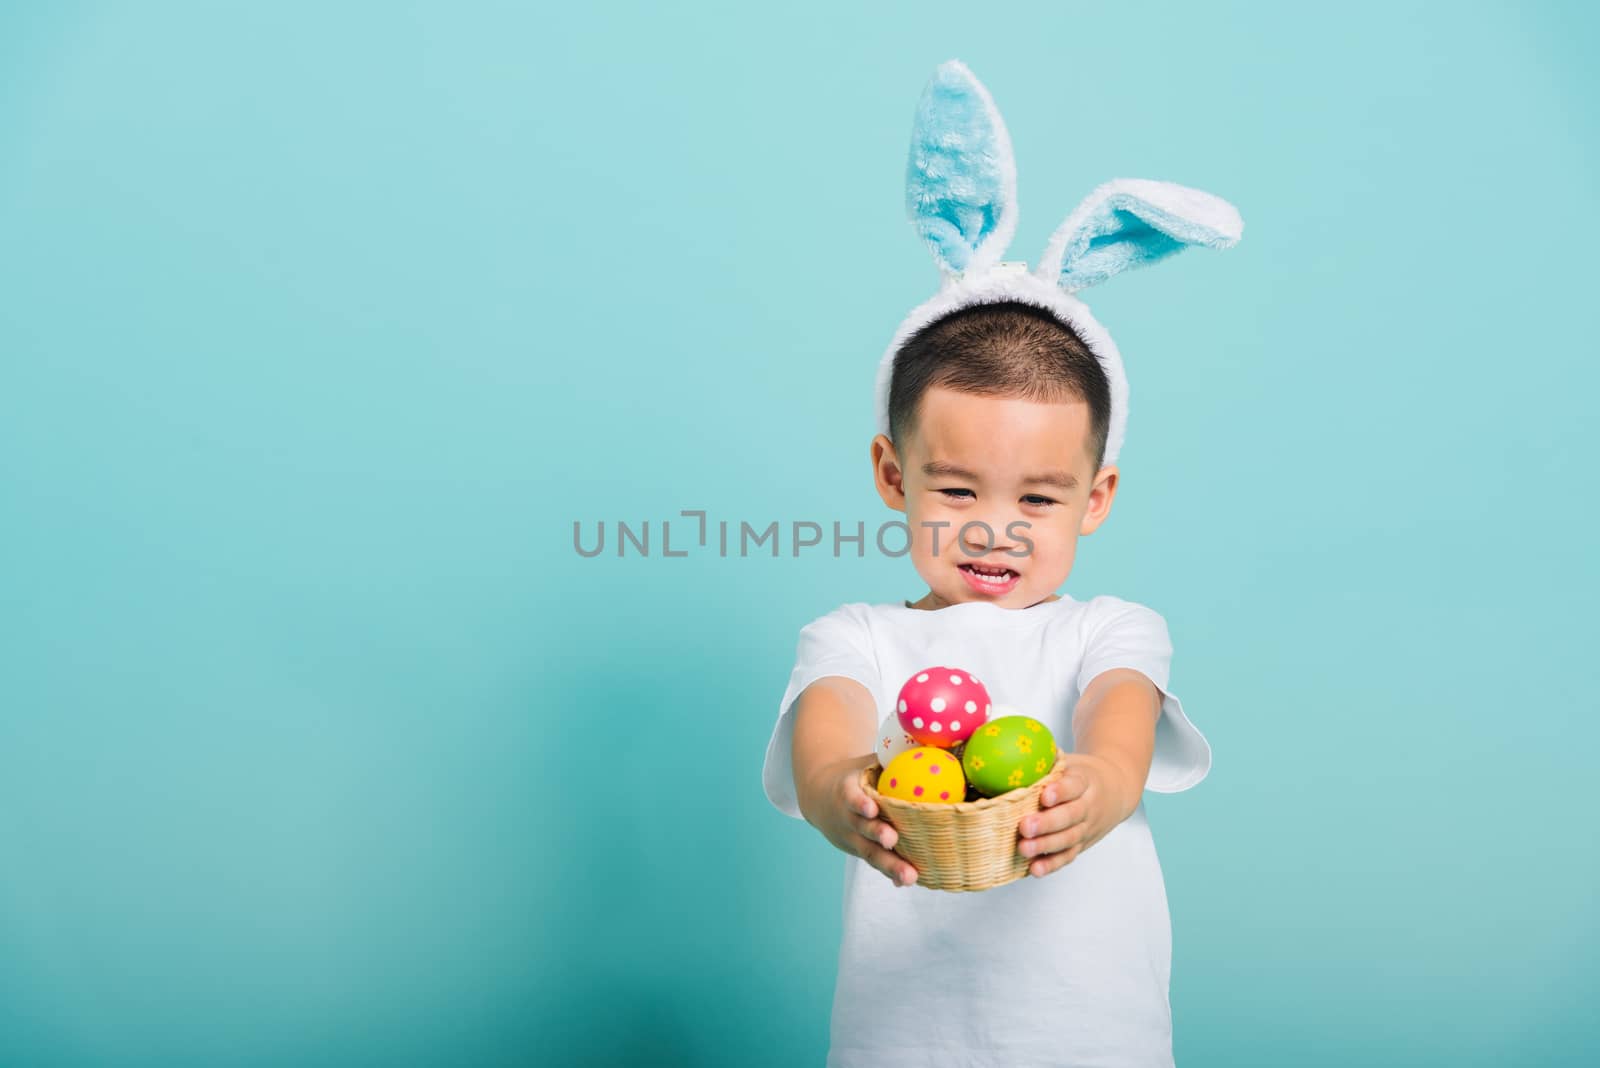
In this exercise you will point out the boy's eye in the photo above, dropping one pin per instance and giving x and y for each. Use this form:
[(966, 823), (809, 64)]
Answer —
[(1034, 499)]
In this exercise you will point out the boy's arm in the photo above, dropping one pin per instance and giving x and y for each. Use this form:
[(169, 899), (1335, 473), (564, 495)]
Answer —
[(1114, 734), (835, 721), (834, 733), (1115, 721)]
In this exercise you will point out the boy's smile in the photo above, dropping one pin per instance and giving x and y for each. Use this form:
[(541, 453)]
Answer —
[(996, 491)]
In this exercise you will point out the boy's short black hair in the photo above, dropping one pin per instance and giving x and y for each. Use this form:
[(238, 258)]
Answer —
[(1006, 349)]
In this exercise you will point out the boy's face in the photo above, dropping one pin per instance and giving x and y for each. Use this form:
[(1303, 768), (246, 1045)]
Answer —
[(981, 483)]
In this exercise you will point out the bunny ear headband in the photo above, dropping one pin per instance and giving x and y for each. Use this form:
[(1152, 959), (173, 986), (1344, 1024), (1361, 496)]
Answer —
[(961, 194)]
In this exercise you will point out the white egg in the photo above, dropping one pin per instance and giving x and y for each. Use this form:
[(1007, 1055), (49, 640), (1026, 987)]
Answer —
[(892, 739)]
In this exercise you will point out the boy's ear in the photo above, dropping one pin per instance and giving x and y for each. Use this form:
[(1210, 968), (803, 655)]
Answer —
[(1130, 222), (1101, 493), (961, 177), (887, 474)]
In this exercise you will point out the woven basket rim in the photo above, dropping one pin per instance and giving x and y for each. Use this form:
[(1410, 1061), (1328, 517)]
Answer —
[(869, 775)]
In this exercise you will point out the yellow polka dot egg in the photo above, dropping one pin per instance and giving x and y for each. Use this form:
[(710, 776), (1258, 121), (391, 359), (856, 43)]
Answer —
[(925, 773)]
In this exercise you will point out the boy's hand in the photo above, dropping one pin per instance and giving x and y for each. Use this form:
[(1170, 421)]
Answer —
[(1075, 812), (839, 808)]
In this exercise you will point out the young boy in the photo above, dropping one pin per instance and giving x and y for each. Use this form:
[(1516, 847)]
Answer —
[(1001, 406), (999, 417)]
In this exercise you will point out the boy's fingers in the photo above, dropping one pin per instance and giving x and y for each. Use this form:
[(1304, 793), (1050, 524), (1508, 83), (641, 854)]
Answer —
[(1048, 821), (1041, 868), (1072, 785), (878, 831), (1053, 843), (859, 802), (891, 864)]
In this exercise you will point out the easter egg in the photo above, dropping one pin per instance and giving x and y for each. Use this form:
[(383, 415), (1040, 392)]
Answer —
[(892, 739), (940, 706), (926, 773), (1007, 753)]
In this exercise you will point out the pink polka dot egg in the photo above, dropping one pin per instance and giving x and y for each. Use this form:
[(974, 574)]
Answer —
[(941, 706), (925, 773)]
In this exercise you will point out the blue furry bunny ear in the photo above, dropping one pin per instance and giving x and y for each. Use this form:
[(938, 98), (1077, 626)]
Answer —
[(961, 177), (1130, 222)]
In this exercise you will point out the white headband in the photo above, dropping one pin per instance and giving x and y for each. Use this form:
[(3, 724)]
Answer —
[(961, 195)]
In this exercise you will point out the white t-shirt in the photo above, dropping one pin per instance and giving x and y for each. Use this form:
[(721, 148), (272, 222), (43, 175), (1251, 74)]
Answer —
[(1072, 969)]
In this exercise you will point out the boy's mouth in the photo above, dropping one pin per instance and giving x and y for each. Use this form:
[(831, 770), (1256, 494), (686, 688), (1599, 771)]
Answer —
[(989, 579)]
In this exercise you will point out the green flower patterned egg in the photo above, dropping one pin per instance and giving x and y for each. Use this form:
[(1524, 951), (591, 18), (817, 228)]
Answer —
[(1008, 753)]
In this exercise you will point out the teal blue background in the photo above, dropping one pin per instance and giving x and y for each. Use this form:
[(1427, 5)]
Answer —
[(322, 324)]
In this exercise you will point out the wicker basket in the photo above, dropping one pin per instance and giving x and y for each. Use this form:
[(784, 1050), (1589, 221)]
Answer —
[(970, 845)]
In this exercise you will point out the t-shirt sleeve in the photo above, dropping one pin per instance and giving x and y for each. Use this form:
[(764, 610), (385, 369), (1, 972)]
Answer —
[(1131, 635), (838, 643)]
